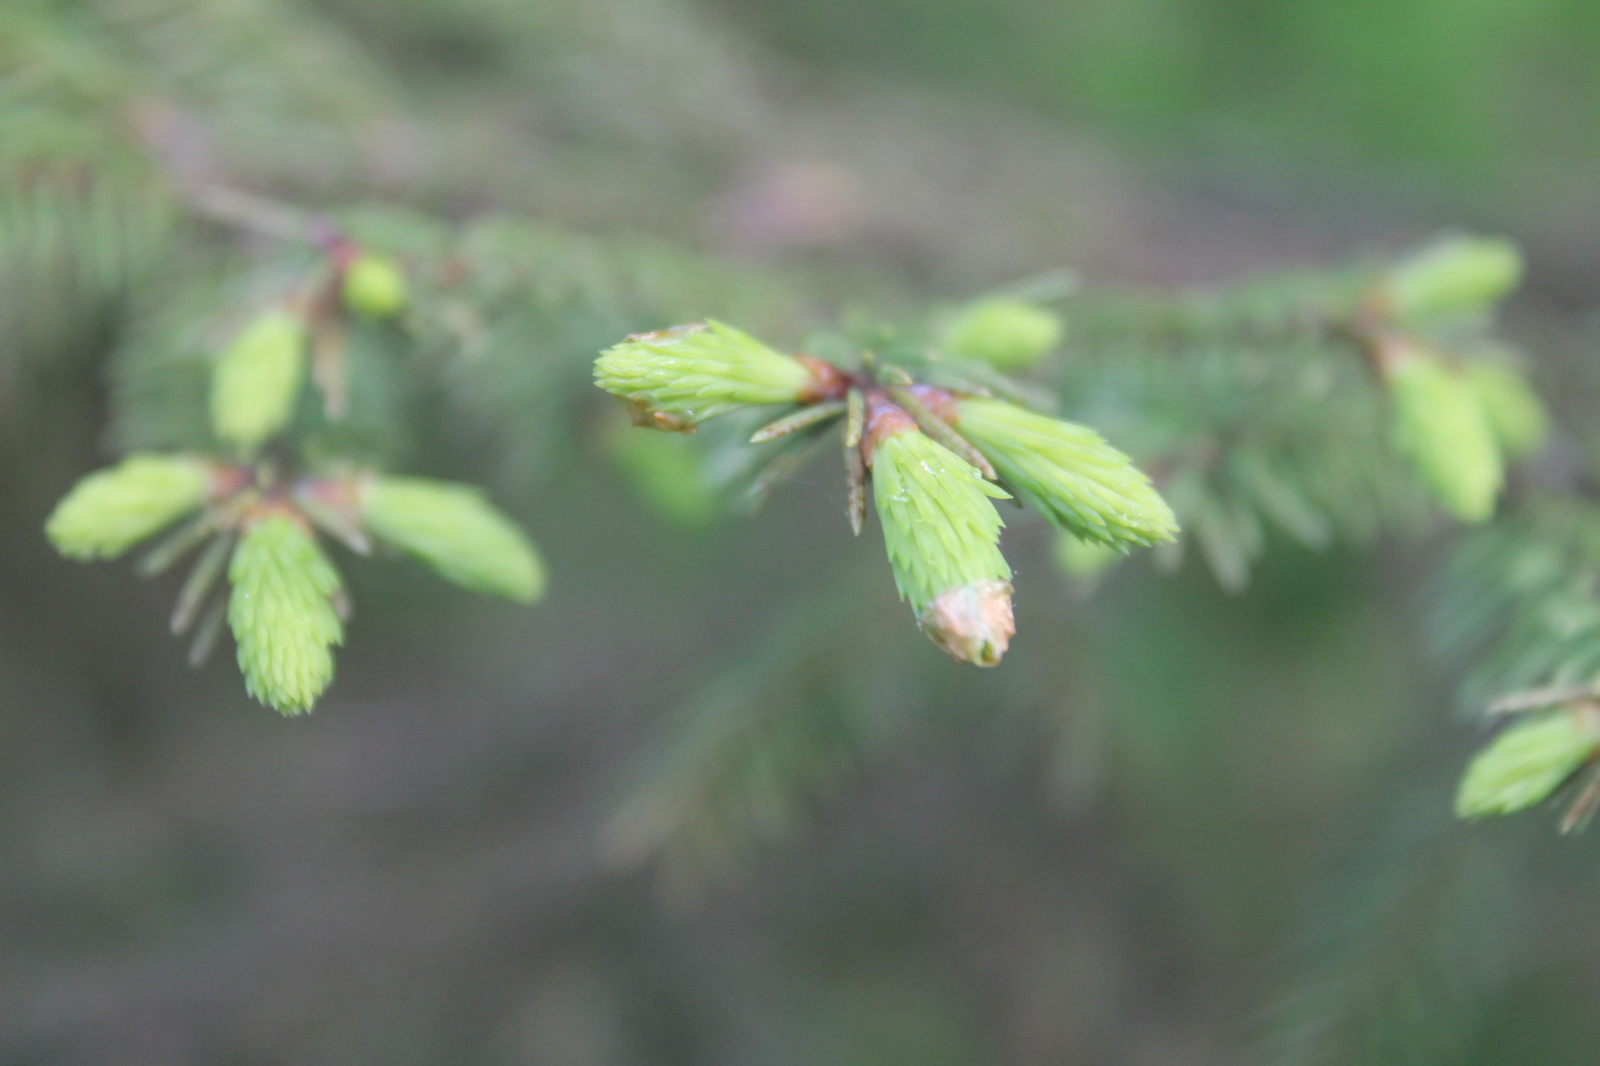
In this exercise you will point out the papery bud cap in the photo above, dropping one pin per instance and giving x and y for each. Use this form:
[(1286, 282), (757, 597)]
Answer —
[(972, 623)]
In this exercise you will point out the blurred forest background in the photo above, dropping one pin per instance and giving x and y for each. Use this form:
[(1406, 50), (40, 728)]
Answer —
[(1177, 827)]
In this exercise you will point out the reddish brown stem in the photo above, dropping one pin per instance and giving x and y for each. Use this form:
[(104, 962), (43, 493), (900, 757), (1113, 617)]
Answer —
[(827, 382)]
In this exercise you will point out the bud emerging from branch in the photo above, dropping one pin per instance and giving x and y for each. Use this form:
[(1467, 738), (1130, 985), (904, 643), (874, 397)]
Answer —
[(1456, 275), (374, 286), (457, 532), (679, 377), (257, 379), (282, 614), (111, 510), (942, 536), (1069, 474), (1515, 412), (1005, 333), (1442, 426), (1528, 762)]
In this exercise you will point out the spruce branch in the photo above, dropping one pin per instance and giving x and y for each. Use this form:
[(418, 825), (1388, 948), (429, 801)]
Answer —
[(939, 429), (940, 530), (259, 215), (804, 418), (1520, 602)]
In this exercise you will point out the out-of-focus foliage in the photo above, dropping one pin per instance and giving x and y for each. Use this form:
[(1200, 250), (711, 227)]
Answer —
[(1480, 90)]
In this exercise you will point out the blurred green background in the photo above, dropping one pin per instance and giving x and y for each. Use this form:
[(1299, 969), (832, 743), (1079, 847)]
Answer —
[(1177, 827), (1476, 98)]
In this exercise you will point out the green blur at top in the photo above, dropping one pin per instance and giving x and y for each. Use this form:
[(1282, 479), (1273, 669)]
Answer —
[(1472, 96)]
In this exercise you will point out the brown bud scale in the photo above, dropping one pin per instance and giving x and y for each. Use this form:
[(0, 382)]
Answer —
[(972, 623), (941, 403), (828, 382), (884, 419)]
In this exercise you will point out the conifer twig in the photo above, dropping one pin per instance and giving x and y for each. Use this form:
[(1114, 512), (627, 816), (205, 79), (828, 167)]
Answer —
[(263, 216), (797, 420), (1533, 699), (938, 429)]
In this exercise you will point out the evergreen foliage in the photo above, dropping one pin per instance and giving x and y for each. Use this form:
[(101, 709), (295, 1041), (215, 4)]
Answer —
[(373, 285), (942, 535), (110, 511), (1528, 762), (282, 613), (1442, 426), (1007, 333), (453, 529), (257, 379), (1069, 474), (939, 528), (685, 375), (1454, 276), (1514, 410)]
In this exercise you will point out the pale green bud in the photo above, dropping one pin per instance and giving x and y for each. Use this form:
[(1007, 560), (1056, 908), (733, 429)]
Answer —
[(111, 510), (943, 540), (374, 286), (457, 532), (1068, 473), (282, 615), (1084, 558), (1441, 425), (1528, 762), (257, 379), (1515, 412), (1006, 333), (1453, 276), (679, 377)]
